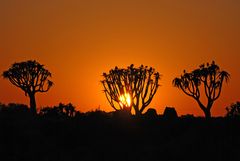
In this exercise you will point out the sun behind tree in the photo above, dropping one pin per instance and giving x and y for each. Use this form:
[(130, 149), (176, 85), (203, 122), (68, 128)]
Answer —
[(125, 100), (131, 88)]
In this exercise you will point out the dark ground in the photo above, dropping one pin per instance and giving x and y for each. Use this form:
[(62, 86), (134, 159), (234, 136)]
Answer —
[(101, 137)]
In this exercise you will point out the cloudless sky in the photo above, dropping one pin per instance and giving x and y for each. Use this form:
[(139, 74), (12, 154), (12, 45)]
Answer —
[(78, 40)]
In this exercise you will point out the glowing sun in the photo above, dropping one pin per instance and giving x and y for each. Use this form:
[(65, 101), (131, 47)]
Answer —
[(125, 100)]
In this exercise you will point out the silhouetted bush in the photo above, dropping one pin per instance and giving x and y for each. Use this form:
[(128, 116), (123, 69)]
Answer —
[(233, 111), (2, 106), (170, 113), (151, 113), (14, 110), (62, 110)]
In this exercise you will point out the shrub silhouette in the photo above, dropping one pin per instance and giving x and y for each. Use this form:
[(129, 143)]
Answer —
[(233, 111), (151, 113), (31, 77), (210, 77), (127, 88), (14, 110), (62, 110), (170, 113)]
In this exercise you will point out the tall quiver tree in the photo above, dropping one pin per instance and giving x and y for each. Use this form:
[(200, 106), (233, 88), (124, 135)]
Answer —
[(127, 88), (208, 79), (31, 77)]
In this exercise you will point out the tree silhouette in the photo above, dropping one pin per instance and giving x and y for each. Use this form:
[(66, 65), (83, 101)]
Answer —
[(210, 77), (234, 110), (31, 77), (127, 88)]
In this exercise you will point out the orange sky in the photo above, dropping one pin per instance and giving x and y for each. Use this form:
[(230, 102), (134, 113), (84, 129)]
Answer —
[(77, 40)]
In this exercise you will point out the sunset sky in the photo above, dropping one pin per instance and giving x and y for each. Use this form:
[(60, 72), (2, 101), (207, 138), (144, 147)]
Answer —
[(78, 40)]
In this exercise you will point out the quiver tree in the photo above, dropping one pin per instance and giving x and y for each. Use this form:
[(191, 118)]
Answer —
[(31, 77), (208, 79), (127, 88)]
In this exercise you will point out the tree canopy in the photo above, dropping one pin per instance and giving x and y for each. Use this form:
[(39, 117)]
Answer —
[(31, 77), (131, 87), (208, 76)]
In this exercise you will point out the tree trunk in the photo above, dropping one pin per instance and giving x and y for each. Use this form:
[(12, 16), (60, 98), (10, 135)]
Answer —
[(206, 110), (33, 108), (127, 109), (207, 113), (137, 113)]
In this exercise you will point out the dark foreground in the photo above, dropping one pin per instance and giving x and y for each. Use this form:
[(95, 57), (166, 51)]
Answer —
[(101, 137)]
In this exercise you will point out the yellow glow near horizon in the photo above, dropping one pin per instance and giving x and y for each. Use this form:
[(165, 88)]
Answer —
[(125, 100)]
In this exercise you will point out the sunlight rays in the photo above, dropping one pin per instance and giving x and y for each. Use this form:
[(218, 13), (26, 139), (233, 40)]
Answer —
[(125, 100)]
